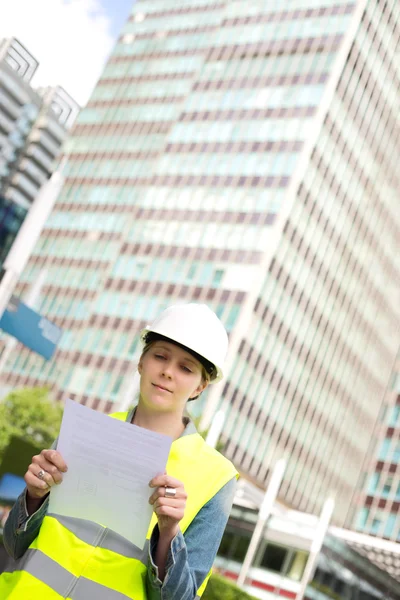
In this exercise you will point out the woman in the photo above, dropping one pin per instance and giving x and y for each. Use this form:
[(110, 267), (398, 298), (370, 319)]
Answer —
[(62, 557)]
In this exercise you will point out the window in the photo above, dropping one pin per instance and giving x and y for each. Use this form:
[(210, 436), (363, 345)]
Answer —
[(390, 525), (387, 486), (140, 267), (240, 547), (79, 379), (117, 386), (234, 544), (339, 587), (376, 526), (90, 384), (226, 544), (384, 449), (274, 558), (362, 518), (218, 275), (132, 348), (395, 416), (322, 577), (396, 453), (397, 497), (396, 382), (373, 483), (297, 564), (192, 270)]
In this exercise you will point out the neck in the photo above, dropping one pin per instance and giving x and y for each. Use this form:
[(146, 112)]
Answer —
[(167, 423)]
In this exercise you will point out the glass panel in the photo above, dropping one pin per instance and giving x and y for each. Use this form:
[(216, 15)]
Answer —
[(274, 558), (297, 565)]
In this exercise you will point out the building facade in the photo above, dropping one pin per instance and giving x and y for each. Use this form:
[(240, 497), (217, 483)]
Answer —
[(241, 154), (33, 126), (380, 515)]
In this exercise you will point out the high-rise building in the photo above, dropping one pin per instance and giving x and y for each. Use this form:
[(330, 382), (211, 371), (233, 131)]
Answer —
[(33, 126), (242, 154)]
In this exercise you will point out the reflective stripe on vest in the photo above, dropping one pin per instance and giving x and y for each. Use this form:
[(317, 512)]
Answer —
[(54, 582), (81, 560), (61, 582), (95, 535)]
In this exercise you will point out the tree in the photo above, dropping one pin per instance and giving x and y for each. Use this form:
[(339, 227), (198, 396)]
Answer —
[(30, 414)]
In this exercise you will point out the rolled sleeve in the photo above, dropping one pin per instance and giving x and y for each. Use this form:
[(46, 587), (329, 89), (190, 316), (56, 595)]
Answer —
[(20, 529), (191, 555), (177, 545)]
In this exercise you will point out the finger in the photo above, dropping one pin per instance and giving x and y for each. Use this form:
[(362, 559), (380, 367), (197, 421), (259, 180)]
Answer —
[(161, 502), (169, 511), (35, 469), (56, 459), (165, 481), (49, 467), (160, 493), (33, 483)]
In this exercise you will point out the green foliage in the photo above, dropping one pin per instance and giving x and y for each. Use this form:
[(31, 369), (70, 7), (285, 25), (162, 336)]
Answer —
[(30, 414), (219, 588)]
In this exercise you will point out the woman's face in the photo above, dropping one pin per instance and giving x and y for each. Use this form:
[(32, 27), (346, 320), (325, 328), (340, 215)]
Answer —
[(169, 376)]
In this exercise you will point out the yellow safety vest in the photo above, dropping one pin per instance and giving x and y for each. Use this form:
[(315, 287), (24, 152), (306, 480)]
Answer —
[(82, 560)]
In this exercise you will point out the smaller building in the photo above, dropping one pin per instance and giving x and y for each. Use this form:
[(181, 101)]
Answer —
[(379, 502), (348, 567), (33, 126)]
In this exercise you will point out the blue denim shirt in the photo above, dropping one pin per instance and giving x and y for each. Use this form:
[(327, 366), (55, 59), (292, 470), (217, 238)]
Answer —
[(190, 556)]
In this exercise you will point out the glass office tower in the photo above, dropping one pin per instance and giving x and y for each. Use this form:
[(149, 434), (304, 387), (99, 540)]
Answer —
[(241, 154)]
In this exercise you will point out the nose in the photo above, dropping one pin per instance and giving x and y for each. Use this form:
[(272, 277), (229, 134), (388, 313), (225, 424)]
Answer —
[(167, 369)]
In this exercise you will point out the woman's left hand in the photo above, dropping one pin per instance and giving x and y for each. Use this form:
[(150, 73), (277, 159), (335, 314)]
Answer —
[(169, 510)]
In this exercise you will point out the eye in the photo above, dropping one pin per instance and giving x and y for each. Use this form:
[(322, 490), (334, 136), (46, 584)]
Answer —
[(160, 356), (185, 368)]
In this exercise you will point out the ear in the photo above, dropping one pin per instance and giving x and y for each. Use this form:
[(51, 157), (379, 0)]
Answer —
[(140, 366), (200, 388)]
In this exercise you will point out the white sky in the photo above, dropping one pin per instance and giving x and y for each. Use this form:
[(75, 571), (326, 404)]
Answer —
[(71, 39)]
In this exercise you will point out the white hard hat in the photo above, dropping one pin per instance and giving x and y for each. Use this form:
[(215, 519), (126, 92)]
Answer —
[(196, 327)]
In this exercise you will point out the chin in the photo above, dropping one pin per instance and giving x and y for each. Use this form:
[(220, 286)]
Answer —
[(159, 400)]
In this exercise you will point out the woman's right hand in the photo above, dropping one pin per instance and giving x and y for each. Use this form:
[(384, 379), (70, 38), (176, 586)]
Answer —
[(51, 464)]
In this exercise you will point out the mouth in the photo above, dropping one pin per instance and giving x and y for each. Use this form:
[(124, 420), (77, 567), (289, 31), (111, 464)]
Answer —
[(160, 387)]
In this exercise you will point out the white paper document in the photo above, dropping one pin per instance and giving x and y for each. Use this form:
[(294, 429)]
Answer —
[(110, 464)]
